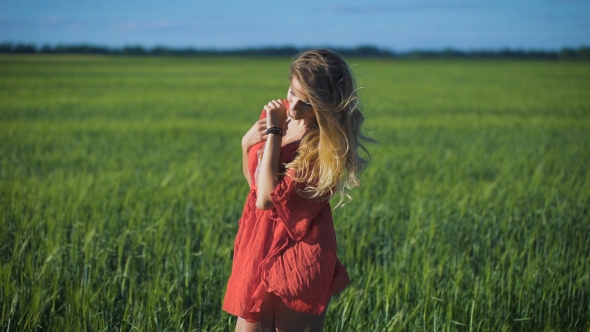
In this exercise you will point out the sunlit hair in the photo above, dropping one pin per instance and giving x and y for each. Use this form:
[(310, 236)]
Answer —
[(328, 156)]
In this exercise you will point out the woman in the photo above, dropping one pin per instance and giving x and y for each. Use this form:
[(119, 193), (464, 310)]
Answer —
[(299, 153)]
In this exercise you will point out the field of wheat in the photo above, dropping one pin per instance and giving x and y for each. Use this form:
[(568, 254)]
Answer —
[(121, 188)]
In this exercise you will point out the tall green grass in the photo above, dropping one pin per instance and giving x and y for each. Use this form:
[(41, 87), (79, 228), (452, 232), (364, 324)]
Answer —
[(121, 187)]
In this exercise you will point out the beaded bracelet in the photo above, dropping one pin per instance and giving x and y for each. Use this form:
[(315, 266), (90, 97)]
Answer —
[(275, 130)]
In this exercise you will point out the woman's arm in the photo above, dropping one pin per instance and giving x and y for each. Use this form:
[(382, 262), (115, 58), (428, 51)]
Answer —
[(269, 170), (255, 135), (276, 115), (245, 166)]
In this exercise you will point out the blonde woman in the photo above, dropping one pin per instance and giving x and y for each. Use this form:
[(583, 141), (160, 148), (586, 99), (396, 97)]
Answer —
[(300, 153)]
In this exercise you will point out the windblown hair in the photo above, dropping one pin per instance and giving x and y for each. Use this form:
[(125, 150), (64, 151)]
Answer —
[(328, 158)]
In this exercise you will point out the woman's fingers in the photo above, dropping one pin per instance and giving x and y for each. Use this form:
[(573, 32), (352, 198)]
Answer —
[(275, 113), (276, 104)]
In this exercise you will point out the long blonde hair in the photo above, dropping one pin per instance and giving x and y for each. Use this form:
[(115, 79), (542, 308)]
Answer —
[(328, 156)]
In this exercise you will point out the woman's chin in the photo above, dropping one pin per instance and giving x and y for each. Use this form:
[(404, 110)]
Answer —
[(299, 115)]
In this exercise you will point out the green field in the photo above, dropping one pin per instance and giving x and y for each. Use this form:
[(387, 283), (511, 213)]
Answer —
[(121, 188)]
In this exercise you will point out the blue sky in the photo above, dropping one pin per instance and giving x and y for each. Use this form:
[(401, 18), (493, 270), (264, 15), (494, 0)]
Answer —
[(397, 25)]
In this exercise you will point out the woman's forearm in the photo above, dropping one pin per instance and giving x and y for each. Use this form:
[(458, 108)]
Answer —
[(276, 115), (269, 171), (245, 166), (255, 135)]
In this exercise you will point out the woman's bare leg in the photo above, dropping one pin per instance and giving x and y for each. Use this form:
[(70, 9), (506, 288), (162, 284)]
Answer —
[(276, 316), (265, 318), (243, 326), (288, 320)]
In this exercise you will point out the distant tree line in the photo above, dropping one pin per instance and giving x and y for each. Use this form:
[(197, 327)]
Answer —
[(582, 53)]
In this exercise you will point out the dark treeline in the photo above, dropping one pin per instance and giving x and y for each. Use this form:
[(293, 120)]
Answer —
[(582, 53)]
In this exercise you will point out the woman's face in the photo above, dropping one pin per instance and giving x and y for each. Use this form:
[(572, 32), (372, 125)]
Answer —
[(300, 108)]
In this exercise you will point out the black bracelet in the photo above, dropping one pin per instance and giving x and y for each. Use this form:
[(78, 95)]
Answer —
[(274, 130)]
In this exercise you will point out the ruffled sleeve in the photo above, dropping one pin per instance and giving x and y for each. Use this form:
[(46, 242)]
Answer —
[(294, 211)]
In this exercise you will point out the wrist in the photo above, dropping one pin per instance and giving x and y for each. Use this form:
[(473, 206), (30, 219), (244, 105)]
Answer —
[(271, 131)]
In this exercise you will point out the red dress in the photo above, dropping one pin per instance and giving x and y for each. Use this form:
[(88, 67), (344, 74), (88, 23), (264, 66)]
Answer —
[(289, 250)]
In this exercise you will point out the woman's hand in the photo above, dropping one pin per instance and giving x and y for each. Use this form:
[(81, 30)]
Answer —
[(255, 135), (276, 114)]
